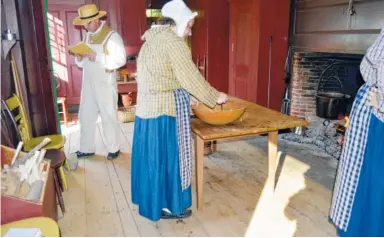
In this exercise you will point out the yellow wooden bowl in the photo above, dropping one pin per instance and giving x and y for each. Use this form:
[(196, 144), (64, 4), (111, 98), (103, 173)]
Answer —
[(230, 112)]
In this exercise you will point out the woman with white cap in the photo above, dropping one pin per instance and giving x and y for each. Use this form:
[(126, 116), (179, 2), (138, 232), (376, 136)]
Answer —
[(161, 154)]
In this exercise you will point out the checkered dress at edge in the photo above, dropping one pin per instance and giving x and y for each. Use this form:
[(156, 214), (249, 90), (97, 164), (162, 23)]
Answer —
[(183, 119), (352, 157), (351, 160)]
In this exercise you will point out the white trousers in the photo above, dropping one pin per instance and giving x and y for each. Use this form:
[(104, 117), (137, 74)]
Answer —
[(98, 97)]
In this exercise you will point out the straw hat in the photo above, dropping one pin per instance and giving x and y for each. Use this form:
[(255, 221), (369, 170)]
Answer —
[(88, 13)]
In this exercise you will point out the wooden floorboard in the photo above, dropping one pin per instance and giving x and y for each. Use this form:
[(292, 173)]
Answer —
[(236, 199), (144, 226), (101, 204), (75, 219)]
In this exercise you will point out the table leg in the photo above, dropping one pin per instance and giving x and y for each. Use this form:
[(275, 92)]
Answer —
[(272, 155), (199, 145), (214, 146)]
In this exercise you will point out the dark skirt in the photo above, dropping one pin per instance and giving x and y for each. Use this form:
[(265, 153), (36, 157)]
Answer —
[(367, 218), (156, 181)]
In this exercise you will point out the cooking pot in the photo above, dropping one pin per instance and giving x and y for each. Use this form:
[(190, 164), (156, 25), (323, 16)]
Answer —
[(330, 104)]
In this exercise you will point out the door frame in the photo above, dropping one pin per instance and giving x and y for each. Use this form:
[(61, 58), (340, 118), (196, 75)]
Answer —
[(251, 92), (63, 8), (47, 8)]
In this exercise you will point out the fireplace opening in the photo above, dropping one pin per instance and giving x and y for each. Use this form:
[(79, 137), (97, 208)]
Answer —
[(337, 88), (328, 74), (323, 87)]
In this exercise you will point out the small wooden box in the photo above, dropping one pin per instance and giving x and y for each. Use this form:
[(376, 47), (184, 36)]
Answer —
[(15, 208)]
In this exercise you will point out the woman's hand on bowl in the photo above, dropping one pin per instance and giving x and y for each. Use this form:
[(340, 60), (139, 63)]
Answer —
[(223, 98)]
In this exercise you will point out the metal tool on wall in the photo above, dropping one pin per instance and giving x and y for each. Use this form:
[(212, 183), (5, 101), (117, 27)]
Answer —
[(285, 103), (351, 12), (269, 70), (8, 41)]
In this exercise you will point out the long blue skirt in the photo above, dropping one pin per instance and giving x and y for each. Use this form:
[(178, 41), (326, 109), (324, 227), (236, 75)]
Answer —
[(367, 218), (155, 181)]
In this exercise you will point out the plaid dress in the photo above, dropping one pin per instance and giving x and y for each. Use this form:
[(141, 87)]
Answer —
[(161, 164), (352, 157)]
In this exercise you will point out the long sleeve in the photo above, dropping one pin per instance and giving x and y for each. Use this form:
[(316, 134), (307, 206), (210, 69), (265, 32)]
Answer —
[(380, 88), (188, 75), (116, 56), (372, 68)]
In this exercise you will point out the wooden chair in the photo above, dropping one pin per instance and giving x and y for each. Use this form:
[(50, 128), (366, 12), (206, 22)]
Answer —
[(57, 141), (57, 157), (62, 101), (9, 135)]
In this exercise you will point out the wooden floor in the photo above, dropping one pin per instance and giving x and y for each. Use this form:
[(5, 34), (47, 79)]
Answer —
[(98, 200)]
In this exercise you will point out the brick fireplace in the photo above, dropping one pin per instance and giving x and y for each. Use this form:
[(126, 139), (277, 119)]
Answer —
[(339, 72)]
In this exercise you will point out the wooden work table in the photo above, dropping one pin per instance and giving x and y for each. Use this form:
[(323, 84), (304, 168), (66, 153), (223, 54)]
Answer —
[(255, 121)]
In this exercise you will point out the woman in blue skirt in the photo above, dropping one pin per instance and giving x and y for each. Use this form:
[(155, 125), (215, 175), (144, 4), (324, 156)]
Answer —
[(161, 153), (357, 207)]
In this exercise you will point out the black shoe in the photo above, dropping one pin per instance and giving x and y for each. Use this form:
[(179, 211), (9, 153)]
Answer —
[(166, 215), (82, 155), (112, 156)]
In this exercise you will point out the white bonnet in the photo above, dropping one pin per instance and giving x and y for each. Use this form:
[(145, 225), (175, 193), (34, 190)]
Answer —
[(180, 13)]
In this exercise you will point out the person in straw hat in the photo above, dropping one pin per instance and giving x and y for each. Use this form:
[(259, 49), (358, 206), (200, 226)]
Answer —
[(161, 152), (99, 89)]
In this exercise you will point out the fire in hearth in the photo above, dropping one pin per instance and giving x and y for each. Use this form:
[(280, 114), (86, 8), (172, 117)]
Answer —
[(342, 127), (346, 121)]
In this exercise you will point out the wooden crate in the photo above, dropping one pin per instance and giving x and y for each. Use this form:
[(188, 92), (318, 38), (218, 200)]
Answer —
[(16, 208)]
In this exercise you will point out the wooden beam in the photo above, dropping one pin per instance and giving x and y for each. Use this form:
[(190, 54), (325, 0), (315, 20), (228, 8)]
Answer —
[(329, 26)]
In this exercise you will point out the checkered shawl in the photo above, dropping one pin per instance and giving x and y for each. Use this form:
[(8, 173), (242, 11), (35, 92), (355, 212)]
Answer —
[(183, 112)]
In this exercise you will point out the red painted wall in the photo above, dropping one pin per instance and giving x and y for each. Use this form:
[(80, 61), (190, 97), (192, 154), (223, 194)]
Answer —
[(218, 42), (210, 38), (274, 21), (244, 49), (133, 23), (252, 23), (128, 18)]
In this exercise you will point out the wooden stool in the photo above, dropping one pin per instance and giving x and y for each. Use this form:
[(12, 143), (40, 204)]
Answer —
[(63, 102), (58, 159)]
